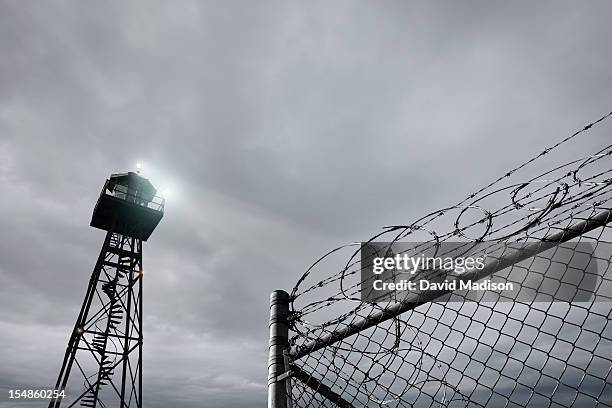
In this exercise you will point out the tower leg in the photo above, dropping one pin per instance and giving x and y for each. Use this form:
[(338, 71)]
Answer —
[(102, 362)]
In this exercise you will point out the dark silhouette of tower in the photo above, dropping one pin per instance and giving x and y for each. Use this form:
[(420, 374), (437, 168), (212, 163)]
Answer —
[(102, 366)]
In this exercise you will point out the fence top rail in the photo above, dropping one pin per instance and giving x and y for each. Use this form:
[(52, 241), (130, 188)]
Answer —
[(495, 265)]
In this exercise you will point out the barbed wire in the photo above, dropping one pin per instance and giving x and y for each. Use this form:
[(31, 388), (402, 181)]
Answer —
[(505, 352)]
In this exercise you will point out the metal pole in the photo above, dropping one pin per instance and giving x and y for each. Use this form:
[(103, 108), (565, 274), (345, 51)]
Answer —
[(288, 379), (140, 335), (411, 302), (279, 342), (128, 321)]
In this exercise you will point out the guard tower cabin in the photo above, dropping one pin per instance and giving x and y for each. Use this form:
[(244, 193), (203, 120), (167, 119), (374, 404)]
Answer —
[(128, 206)]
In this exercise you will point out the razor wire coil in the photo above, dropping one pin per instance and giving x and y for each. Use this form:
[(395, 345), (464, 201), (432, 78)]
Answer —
[(462, 353)]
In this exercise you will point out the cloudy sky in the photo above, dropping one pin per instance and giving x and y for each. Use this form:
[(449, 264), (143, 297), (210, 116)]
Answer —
[(280, 129)]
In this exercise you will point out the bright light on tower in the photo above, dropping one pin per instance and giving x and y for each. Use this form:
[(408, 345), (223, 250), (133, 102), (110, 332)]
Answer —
[(138, 167)]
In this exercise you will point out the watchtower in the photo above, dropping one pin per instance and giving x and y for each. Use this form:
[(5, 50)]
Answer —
[(102, 365)]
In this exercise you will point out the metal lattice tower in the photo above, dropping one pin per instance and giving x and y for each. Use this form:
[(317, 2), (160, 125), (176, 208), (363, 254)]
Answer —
[(102, 366)]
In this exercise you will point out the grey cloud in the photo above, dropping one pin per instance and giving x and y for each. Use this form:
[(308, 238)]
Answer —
[(285, 128)]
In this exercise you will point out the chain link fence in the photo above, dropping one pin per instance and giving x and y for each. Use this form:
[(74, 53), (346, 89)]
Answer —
[(446, 349)]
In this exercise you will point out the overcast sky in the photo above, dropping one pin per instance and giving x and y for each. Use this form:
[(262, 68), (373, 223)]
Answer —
[(280, 129)]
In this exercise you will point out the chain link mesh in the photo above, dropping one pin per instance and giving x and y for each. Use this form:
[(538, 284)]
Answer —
[(463, 353)]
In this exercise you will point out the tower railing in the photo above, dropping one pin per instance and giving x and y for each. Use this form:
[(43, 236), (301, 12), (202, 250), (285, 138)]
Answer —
[(121, 192)]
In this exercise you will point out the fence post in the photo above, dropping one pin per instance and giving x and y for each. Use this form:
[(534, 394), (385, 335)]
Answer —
[(279, 342)]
